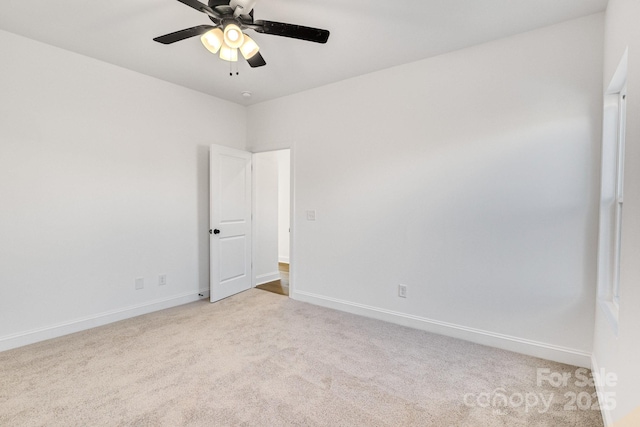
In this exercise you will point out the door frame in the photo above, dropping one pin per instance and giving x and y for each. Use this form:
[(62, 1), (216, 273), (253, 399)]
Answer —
[(292, 206)]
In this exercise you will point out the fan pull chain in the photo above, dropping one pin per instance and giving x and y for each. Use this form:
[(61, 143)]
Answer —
[(231, 68)]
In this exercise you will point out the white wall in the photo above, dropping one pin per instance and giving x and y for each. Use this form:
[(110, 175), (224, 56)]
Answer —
[(265, 217), (470, 177), (619, 355), (284, 204), (103, 179)]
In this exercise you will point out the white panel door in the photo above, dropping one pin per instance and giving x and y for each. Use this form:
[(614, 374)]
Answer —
[(230, 222)]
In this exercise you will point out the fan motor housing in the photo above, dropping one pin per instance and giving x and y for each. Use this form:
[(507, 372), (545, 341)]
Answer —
[(223, 8)]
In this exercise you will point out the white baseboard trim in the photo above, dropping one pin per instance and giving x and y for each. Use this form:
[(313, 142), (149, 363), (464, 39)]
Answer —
[(506, 342), (283, 259), (266, 278), (41, 334), (607, 417)]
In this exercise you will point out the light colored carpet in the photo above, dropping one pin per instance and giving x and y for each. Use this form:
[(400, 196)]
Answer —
[(261, 359)]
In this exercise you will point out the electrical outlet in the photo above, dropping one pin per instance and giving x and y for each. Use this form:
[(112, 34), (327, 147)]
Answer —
[(311, 215), (162, 280), (140, 283), (402, 291)]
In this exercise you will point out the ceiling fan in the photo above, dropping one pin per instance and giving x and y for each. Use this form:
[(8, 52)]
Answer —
[(226, 35)]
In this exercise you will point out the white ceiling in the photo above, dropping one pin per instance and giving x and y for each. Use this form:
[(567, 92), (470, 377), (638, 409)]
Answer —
[(366, 35)]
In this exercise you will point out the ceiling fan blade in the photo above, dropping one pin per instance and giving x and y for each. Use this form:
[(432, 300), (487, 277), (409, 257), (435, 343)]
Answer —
[(183, 34), (256, 61), (291, 30), (201, 7)]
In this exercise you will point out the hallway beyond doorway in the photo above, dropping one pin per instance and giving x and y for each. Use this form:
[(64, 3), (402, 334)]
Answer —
[(280, 286)]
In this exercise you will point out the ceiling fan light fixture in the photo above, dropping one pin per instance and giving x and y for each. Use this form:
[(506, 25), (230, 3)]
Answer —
[(212, 40), (225, 36), (249, 48), (233, 36), (228, 53)]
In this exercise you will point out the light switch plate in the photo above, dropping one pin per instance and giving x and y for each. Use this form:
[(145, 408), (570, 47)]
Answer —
[(311, 215)]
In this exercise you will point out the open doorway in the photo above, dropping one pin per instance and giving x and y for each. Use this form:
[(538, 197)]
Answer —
[(271, 220)]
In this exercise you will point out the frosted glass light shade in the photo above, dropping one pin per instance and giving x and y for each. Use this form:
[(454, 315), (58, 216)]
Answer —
[(228, 53), (212, 40), (233, 36), (249, 48)]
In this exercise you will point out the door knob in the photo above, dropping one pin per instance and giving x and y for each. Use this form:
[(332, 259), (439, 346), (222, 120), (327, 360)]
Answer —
[(215, 231)]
